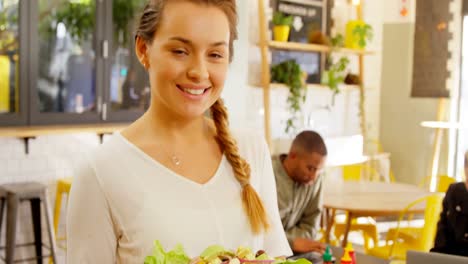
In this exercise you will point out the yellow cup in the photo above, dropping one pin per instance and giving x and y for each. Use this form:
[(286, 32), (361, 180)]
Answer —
[(281, 33)]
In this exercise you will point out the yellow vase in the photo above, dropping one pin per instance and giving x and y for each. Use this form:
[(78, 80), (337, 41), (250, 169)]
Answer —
[(281, 33), (351, 40)]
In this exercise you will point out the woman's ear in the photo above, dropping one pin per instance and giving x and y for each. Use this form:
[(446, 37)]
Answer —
[(141, 50)]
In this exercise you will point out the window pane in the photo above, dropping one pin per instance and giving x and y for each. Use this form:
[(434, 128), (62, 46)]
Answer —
[(66, 68), (9, 56), (129, 86)]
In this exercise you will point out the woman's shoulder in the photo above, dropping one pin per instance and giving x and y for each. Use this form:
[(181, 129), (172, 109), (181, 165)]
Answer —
[(249, 140), (103, 158), (457, 187), (457, 191)]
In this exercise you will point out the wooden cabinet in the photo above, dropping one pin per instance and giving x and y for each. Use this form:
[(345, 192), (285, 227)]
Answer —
[(65, 62)]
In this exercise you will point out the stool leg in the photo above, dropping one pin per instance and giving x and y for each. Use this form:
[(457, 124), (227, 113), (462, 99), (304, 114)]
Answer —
[(2, 208), (36, 216), (12, 215), (50, 228)]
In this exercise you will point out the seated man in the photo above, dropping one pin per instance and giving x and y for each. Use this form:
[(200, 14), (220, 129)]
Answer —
[(452, 229), (299, 189)]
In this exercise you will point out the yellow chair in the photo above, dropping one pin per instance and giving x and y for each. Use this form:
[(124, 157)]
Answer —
[(443, 182), (411, 233), (423, 240), (366, 225), (63, 186)]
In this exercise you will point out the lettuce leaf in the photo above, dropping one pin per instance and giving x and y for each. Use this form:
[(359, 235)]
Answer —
[(175, 256)]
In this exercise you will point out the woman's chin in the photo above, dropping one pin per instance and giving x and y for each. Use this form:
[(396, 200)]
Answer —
[(193, 113)]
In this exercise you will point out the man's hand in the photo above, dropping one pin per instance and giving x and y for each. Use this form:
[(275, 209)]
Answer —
[(303, 245)]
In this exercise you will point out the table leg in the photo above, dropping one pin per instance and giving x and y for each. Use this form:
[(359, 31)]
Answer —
[(349, 218), (330, 214)]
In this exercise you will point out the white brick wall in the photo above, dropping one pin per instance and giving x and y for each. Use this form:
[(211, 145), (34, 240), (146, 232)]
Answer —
[(49, 158)]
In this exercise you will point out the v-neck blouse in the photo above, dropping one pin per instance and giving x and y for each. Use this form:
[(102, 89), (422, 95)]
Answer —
[(122, 200)]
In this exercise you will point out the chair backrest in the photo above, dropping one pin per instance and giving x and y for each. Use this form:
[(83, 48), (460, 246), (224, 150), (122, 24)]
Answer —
[(444, 183), (431, 217), (360, 171), (352, 172)]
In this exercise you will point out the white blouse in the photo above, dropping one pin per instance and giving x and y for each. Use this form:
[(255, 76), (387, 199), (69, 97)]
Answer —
[(122, 200)]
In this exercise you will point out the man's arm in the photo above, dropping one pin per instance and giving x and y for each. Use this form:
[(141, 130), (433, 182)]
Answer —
[(308, 225)]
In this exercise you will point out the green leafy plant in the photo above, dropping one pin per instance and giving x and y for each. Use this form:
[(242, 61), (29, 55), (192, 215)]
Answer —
[(335, 75), (280, 19), (79, 18), (336, 70), (123, 12), (337, 41), (8, 30), (364, 33), (289, 73)]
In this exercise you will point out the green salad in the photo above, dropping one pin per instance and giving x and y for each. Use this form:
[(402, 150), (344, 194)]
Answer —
[(215, 255)]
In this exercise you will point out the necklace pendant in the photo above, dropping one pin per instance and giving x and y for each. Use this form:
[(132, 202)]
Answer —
[(176, 160)]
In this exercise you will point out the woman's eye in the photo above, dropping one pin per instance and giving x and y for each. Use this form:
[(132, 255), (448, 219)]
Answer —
[(216, 56), (179, 52)]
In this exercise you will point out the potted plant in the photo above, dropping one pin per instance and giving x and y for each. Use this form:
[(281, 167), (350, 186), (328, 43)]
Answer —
[(281, 26), (357, 34), (290, 73)]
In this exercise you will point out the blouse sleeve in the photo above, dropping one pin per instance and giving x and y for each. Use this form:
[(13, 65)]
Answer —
[(91, 237), (275, 241)]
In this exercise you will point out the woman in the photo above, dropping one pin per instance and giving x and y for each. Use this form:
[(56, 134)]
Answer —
[(175, 175), (452, 229)]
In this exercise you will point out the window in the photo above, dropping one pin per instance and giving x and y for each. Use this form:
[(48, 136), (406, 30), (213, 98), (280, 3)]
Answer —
[(80, 65)]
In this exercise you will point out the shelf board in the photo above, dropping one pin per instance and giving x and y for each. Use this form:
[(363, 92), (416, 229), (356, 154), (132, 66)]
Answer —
[(312, 85), (33, 131), (297, 46)]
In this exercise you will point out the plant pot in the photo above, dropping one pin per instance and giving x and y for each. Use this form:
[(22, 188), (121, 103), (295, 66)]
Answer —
[(281, 33), (351, 40)]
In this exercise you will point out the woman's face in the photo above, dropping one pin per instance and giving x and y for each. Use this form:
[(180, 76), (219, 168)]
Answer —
[(188, 58)]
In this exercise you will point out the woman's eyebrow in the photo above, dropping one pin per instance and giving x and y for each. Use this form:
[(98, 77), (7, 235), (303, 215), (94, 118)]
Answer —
[(188, 42)]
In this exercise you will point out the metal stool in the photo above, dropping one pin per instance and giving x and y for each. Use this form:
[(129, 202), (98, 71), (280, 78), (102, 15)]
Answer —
[(13, 195)]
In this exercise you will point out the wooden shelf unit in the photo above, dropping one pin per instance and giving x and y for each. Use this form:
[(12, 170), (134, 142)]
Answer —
[(31, 132), (297, 46), (266, 45), (34, 131)]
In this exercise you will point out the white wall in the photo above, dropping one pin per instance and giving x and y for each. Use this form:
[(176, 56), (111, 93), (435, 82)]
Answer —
[(401, 132)]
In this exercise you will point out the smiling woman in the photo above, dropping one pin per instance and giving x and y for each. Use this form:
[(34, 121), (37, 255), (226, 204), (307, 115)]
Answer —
[(181, 177)]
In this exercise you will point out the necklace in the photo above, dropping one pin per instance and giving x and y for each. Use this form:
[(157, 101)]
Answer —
[(175, 160), (173, 157)]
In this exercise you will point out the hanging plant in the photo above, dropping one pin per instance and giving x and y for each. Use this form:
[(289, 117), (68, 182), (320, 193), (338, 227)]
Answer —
[(335, 75), (289, 72), (336, 71)]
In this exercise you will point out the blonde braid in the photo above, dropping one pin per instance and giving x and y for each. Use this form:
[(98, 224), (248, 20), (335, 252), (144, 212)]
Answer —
[(253, 206)]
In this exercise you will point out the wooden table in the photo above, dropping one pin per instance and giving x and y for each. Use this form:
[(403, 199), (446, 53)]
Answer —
[(368, 199)]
